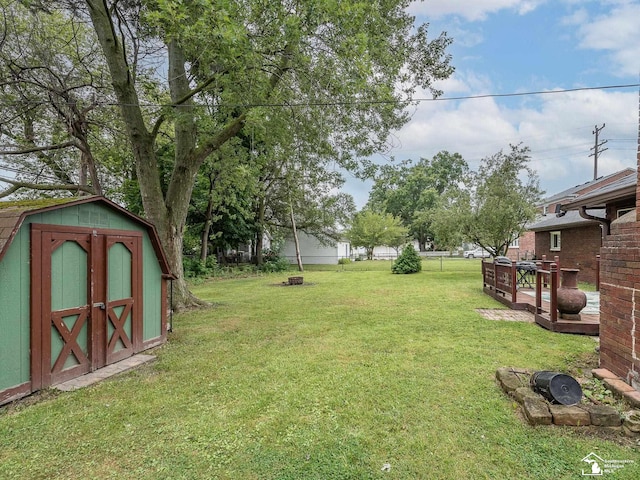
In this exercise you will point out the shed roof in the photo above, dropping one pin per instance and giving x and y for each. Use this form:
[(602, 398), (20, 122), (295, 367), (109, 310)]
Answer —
[(13, 213)]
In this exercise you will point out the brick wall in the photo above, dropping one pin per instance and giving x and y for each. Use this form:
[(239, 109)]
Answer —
[(526, 248), (619, 294), (579, 247)]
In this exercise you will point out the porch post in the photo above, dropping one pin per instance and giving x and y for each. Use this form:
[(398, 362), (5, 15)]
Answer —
[(553, 293)]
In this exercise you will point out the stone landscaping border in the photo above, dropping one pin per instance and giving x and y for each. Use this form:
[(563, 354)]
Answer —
[(619, 387), (516, 382)]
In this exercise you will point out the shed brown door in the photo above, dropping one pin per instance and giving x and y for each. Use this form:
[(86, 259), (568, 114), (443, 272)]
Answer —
[(85, 301), (123, 284)]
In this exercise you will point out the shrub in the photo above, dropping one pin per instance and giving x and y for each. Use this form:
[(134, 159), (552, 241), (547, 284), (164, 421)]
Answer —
[(408, 262), (344, 261), (273, 262), (194, 268)]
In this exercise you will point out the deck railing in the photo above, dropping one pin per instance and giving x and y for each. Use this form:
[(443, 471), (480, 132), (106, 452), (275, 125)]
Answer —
[(502, 281), (547, 279)]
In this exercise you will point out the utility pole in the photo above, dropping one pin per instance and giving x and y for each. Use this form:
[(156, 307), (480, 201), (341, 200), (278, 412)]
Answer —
[(597, 150)]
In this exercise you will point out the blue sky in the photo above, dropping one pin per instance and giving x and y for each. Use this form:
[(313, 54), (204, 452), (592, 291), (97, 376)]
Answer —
[(514, 46)]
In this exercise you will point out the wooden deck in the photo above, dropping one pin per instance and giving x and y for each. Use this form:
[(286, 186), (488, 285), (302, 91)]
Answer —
[(589, 324), (500, 282)]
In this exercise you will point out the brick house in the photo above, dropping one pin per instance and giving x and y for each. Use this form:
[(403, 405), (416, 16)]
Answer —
[(574, 239), (574, 236), (619, 275)]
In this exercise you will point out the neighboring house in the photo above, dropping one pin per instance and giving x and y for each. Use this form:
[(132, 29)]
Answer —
[(574, 238), (83, 284), (383, 252), (616, 198), (313, 252), (523, 248)]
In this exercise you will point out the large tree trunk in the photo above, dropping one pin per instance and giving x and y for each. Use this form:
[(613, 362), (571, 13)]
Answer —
[(142, 141), (168, 213), (169, 222)]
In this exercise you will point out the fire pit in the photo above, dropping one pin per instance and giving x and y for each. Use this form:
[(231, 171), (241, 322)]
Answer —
[(296, 280)]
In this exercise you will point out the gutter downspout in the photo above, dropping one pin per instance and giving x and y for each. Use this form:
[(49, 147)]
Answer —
[(602, 221)]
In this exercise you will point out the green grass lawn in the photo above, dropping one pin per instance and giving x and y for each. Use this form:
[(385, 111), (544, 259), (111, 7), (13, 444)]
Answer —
[(329, 380)]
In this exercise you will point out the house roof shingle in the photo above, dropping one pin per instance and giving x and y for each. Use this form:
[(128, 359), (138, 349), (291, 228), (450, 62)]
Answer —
[(623, 188), (574, 191), (570, 219)]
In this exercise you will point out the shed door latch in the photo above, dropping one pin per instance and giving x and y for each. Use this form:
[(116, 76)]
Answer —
[(100, 305)]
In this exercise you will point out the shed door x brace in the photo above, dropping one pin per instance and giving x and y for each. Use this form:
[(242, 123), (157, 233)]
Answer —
[(86, 309)]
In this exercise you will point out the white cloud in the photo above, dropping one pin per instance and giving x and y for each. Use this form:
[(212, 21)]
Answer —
[(618, 33), (466, 36), (557, 127), (578, 17), (564, 126), (471, 10)]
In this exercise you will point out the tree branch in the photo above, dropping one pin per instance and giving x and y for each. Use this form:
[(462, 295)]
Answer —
[(16, 185), (38, 149), (157, 125), (9, 191), (196, 90), (234, 127)]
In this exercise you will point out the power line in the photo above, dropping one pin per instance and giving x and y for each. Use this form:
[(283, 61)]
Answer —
[(355, 102), (539, 92)]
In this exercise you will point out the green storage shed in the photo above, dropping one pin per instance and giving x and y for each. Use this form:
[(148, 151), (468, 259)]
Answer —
[(83, 284)]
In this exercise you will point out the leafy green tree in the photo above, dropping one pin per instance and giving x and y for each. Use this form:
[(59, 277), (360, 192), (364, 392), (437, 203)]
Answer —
[(412, 191), (297, 189), (445, 226), (221, 200), (340, 74), (370, 229), (345, 70), (497, 203), (408, 262), (53, 87)]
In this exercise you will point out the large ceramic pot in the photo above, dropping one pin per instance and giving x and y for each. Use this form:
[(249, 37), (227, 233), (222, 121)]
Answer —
[(570, 299)]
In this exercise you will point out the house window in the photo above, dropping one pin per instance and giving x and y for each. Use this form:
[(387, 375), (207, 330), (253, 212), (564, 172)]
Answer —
[(555, 242), (515, 243), (622, 211)]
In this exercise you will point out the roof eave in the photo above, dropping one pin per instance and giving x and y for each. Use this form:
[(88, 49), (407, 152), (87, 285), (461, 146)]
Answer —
[(601, 201), (584, 223)]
